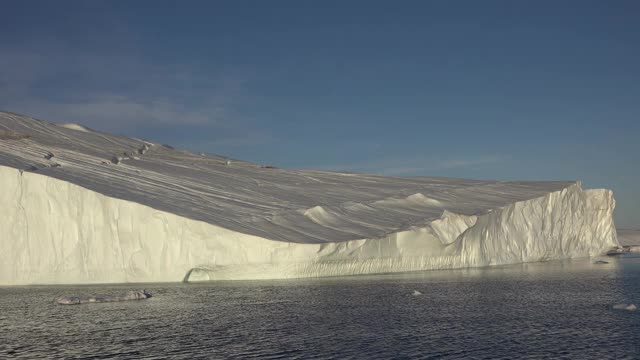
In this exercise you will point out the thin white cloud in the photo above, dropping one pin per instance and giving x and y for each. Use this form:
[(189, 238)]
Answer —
[(18, 72), (399, 166), (110, 112), (114, 92), (246, 139), (471, 162)]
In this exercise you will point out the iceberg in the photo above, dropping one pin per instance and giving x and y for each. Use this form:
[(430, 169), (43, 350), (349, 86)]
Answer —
[(71, 215)]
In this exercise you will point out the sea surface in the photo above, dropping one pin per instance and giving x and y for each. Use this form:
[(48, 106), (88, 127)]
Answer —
[(558, 309)]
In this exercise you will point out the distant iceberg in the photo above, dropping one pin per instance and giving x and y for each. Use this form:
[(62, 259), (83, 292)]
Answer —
[(71, 215), (629, 237)]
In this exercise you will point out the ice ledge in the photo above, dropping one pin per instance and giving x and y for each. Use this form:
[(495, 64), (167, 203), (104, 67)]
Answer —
[(55, 232)]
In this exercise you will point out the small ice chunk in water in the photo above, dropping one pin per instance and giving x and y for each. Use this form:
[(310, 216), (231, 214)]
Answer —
[(416, 293), (131, 295), (628, 307)]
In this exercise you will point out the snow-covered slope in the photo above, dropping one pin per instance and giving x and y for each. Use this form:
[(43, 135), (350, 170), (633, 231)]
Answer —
[(81, 206)]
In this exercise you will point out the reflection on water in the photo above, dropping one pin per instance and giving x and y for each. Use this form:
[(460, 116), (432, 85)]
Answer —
[(553, 309)]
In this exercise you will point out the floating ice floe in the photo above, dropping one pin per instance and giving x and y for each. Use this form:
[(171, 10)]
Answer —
[(628, 307), (76, 300), (619, 250)]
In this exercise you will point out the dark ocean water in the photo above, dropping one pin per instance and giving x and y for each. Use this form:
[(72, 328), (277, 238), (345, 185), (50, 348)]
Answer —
[(542, 310)]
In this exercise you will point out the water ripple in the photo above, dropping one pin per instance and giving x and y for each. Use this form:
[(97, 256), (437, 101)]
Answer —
[(553, 310)]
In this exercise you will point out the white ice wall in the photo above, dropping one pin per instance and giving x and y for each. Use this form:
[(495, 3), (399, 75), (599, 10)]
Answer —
[(55, 232)]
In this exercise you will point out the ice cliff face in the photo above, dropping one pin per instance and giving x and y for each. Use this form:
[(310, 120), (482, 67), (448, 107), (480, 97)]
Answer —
[(80, 206)]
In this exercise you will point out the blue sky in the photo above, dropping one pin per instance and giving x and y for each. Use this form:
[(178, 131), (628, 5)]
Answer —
[(481, 89)]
